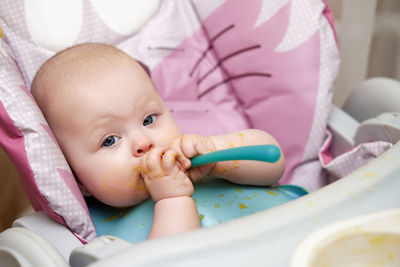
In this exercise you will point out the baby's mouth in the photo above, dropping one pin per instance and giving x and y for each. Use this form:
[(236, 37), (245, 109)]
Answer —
[(137, 181)]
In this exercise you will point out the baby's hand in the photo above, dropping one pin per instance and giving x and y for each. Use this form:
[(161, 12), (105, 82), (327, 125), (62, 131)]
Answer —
[(194, 145), (164, 175)]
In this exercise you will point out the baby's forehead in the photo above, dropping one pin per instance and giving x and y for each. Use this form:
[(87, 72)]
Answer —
[(88, 57), (66, 74), (82, 63)]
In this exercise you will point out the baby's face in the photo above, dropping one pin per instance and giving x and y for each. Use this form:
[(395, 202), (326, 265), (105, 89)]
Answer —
[(106, 125)]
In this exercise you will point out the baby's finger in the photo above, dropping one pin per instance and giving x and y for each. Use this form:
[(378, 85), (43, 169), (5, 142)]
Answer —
[(194, 145), (188, 145), (153, 158), (183, 161), (168, 161)]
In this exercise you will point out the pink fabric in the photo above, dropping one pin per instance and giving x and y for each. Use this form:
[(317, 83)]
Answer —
[(69, 179), (281, 88), (205, 118), (82, 240), (275, 104), (25, 89), (33, 152), (325, 154), (50, 133), (354, 159), (178, 79), (13, 142)]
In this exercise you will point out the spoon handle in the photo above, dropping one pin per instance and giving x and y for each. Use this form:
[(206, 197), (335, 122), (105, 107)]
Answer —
[(267, 153)]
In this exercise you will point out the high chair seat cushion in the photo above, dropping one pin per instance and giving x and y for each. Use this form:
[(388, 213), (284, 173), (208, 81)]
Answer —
[(220, 66), (27, 138)]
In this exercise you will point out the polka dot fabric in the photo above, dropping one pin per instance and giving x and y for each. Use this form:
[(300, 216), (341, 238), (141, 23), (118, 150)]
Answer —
[(351, 160), (40, 162)]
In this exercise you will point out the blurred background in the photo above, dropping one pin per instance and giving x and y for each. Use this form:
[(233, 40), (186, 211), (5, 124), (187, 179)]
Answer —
[(13, 201), (369, 38)]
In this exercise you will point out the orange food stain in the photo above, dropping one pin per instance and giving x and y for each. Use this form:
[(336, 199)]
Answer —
[(271, 193), (122, 214), (111, 218), (242, 206), (368, 174), (145, 170), (201, 217), (131, 184), (177, 139), (160, 174), (137, 185), (241, 137), (239, 190), (105, 188), (136, 168), (387, 157), (203, 180), (377, 240), (140, 186), (221, 170)]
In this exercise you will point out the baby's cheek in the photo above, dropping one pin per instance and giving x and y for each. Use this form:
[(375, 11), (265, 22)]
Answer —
[(121, 187)]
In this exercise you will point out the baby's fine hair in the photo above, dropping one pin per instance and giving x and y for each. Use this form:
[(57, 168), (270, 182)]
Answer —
[(86, 56)]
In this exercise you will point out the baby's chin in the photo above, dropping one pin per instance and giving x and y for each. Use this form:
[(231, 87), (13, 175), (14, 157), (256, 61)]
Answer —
[(120, 190), (122, 202), (123, 198)]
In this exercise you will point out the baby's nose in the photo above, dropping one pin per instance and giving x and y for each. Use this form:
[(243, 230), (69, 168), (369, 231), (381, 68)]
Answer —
[(142, 148)]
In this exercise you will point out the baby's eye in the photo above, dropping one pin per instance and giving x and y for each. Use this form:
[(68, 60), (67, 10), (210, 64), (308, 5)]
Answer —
[(111, 140), (149, 120)]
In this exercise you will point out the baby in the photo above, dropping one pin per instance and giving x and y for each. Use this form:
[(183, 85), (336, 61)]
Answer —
[(122, 142)]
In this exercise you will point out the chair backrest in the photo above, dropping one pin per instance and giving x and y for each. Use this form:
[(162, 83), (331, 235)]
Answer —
[(220, 66)]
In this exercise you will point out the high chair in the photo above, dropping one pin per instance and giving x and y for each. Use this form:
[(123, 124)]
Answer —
[(221, 66)]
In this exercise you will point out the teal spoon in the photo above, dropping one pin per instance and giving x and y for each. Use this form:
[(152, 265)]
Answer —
[(267, 153)]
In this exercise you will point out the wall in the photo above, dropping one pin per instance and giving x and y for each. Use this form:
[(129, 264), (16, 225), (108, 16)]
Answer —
[(372, 47), (13, 201)]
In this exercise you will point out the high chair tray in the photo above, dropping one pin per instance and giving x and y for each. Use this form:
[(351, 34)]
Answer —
[(217, 201), (270, 237)]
